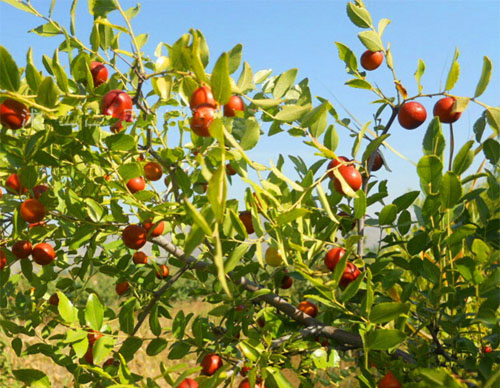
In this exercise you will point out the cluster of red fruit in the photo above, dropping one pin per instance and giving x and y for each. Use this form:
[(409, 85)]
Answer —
[(351, 272), (152, 171), (204, 106)]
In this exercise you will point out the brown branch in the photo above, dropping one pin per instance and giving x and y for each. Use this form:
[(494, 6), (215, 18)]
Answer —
[(340, 336)]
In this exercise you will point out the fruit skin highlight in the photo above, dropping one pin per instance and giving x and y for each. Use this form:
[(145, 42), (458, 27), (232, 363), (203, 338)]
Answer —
[(203, 117), (211, 363), (308, 308), (43, 254), (202, 96), (13, 114), (371, 60), (32, 210)]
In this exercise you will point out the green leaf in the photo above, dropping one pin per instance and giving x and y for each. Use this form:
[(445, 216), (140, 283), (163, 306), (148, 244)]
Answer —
[(32, 377), (235, 257), (277, 378), (384, 339), (382, 24), (371, 40), (404, 222), (370, 149), (434, 143), (59, 73), (48, 93), (178, 350), (385, 312), (266, 102), (220, 81), (290, 215), (251, 135), (429, 170), (359, 84), (491, 149), (348, 57), (261, 76), (162, 86), (284, 82), (484, 80), (101, 7), (102, 348), (9, 73), (156, 346), (94, 312), (130, 170), (47, 29), (197, 217), (388, 214), (126, 316), (493, 118), (245, 82), (359, 16), (331, 139), (235, 58), (22, 6), (438, 377), (130, 346), (418, 74), (464, 158), (217, 191), (316, 120), (352, 289), (360, 205), (120, 142), (94, 210), (451, 190), (454, 72), (154, 322), (81, 236), (291, 113), (66, 309)]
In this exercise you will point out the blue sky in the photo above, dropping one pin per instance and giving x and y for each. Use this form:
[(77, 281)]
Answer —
[(281, 34)]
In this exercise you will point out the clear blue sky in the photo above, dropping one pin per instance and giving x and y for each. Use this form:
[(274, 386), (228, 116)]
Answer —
[(283, 34)]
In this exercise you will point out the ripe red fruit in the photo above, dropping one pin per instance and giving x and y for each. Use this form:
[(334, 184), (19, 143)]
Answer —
[(117, 104), (308, 308), (389, 381), (333, 256), (202, 95), (22, 249), (188, 383), (99, 73), (443, 109), (32, 210), (13, 184), (244, 370), (377, 161), (210, 364), (203, 117), (235, 103), (54, 299), (370, 60), (351, 272), (286, 282), (246, 218), (122, 288), (157, 230), (89, 357), (13, 114), (153, 171), (334, 163), (136, 184), (352, 177), (246, 384), (487, 349), (38, 190), (411, 115), (1, 193), (140, 258), (134, 236), (43, 253), (162, 272), (3, 260), (93, 336)]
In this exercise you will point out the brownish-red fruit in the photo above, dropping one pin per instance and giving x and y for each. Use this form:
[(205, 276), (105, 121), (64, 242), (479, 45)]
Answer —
[(245, 370), (153, 171), (351, 272), (188, 383), (157, 230), (444, 110), (99, 73), (246, 384), (308, 308), (93, 336), (134, 236), (14, 186), (389, 381), (13, 114), (3, 260), (122, 287), (89, 357), (334, 163), (203, 117), (246, 218), (333, 256), (210, 364), (352, 177), (54, 299), (230, 170), (235, 103), (43, 254), (22, 249), (286, 282), (140, 258), (487, 349), (411, 115), (117, 104), (202, 95), (162, 272), (38, 190), (370, 60), (32, 210), (1, 193), (377, 161), (136, 184)]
